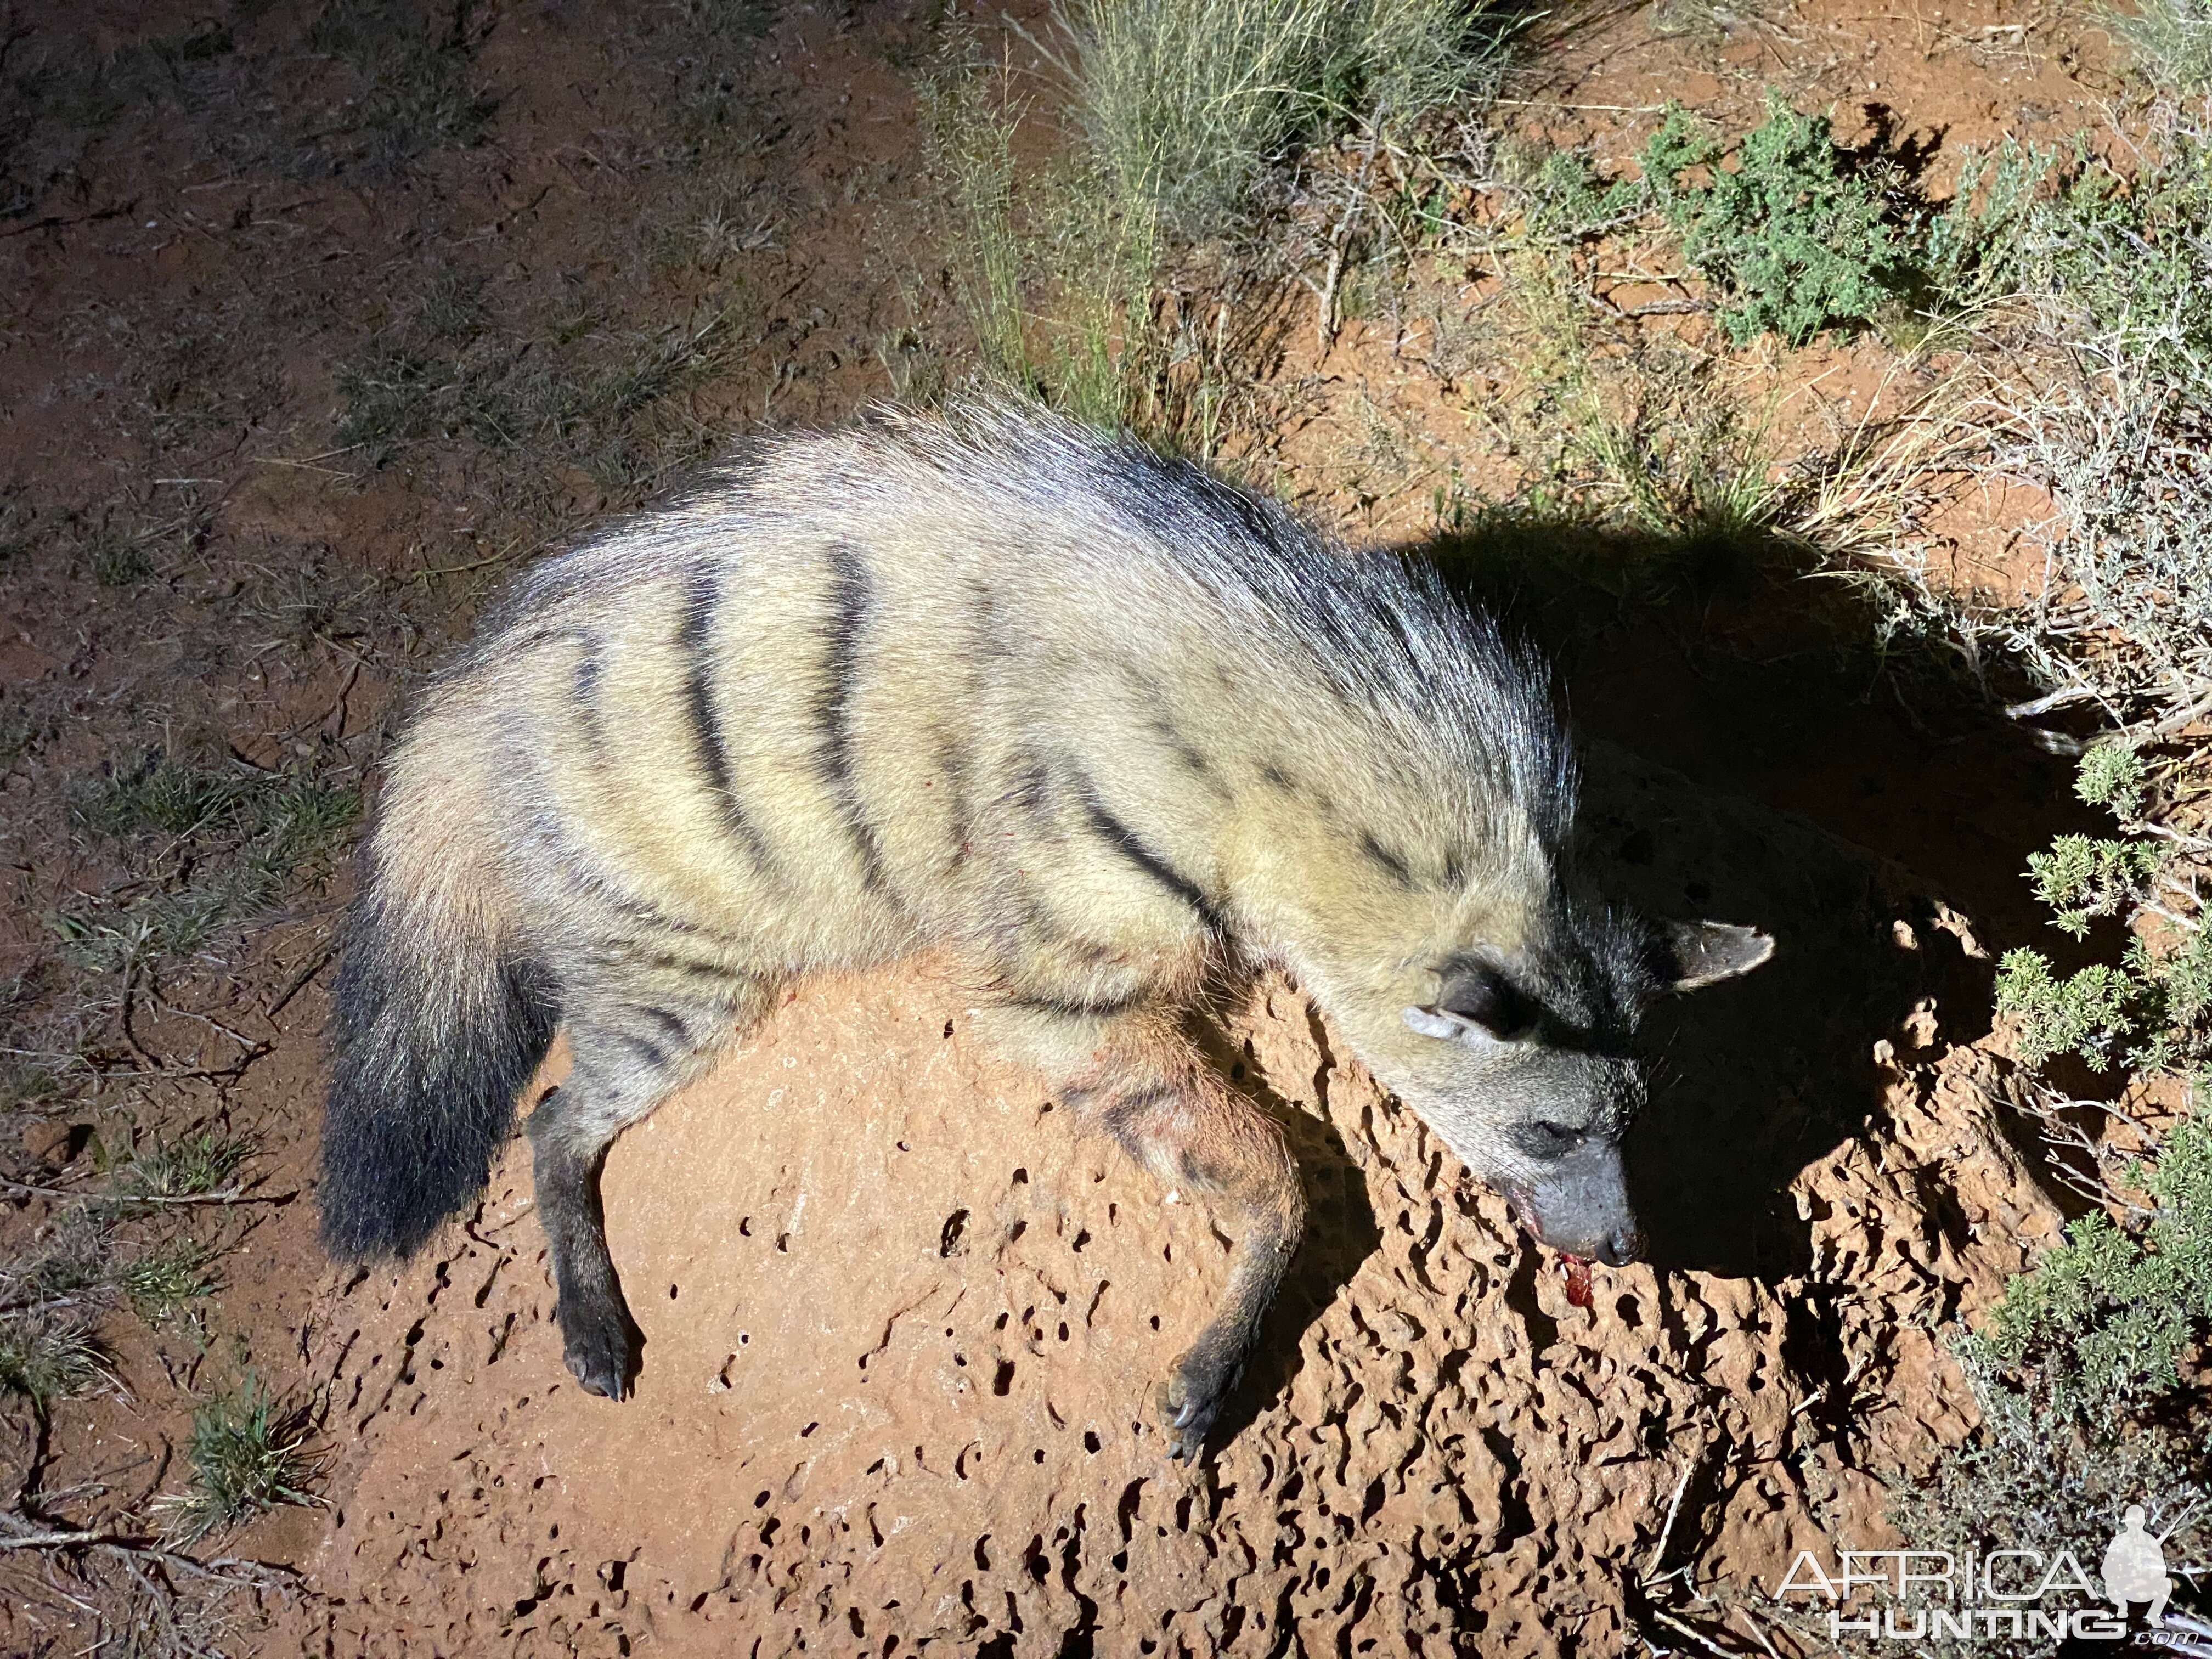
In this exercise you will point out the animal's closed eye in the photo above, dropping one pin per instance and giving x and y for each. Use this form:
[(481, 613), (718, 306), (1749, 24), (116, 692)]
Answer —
[(1485, 998), (1546, 1139)]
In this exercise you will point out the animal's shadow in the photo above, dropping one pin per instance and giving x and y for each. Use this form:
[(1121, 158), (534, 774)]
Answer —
[(1758, 750), (1755, 1079)]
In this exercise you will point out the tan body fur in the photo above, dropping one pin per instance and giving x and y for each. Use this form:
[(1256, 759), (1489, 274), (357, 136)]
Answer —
[(1002, 686)]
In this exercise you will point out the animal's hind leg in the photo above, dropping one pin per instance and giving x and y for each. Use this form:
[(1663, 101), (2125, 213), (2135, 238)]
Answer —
[(1178, 1118), (632, 1051)]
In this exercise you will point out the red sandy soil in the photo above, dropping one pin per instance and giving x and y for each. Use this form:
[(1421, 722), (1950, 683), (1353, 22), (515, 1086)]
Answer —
[(903, 1315)]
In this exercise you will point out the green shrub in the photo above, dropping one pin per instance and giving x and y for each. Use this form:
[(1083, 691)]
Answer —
[(2159, 997), (2088, 1013), (2085, 1371), (2172, 40), (2112, 774), (1797, 238), (2105, 1319), (2085, 876)]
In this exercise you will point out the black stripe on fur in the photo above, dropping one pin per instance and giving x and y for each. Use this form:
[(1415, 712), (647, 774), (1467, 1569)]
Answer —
[(695, 639), (852, 595), (1131, 845)]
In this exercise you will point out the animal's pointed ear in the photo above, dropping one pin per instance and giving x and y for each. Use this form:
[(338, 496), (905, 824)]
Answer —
[(1697, 953)]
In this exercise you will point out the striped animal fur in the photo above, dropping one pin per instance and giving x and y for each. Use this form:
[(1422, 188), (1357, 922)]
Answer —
[(1102, 725)]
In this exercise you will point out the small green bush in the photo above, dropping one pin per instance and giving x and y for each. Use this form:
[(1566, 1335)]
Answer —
[(2085, 1371), (2105, 1319), (2085, 876), (2112, 774), (2158, 998), (2172, 40), (2089, 1012), (1799, 241)]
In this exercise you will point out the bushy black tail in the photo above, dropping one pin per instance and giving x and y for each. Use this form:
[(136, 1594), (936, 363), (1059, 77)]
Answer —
[(434, 1034)]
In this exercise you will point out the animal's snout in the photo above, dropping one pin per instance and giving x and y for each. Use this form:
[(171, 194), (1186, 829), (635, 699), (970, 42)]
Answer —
[(1619, 1247), (1616, 1247), (1580, 1206)]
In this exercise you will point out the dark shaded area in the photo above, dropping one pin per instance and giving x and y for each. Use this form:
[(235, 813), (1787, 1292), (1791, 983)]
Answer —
[(1758, 751)]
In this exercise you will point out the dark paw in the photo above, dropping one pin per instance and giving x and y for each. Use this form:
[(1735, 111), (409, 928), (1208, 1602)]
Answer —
[(596, 1344), (1192, 1397)]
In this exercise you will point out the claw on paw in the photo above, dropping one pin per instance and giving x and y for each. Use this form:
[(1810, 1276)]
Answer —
[(597, 1353), (1190, 1399)]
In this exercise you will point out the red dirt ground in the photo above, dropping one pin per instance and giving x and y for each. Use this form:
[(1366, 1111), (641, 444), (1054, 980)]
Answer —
[(903, 1315)]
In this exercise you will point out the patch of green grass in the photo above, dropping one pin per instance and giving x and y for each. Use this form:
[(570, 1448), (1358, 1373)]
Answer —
[(1654, 442), (215, 843), (413, 70), (1058, 279), (248, 1454), (1191, 109), (191, 1165), (170, 1279), (74, 1260), (122, 545), (319, 598), (599, 400), (285, 816), (706, 231), (49, 1356), (970, 137), (117, 937)]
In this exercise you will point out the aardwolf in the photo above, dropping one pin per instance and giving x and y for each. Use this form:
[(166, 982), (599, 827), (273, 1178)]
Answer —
[(1107, 727)]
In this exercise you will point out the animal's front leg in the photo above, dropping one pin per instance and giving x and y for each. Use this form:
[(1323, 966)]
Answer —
[(1196, 1134), (1130, 1068)]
